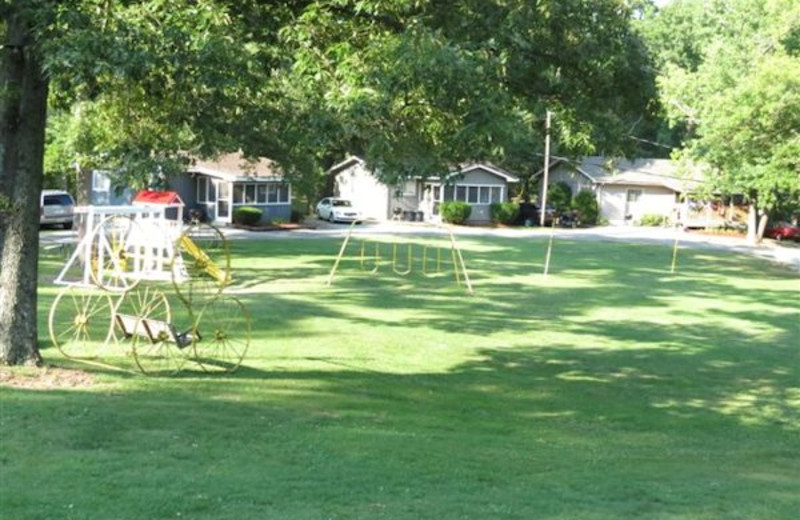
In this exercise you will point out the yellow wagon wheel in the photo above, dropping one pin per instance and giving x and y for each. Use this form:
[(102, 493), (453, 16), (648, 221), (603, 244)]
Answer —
[(116, 248), (221, 334), (144, 316), (80, 320), (201, 265)]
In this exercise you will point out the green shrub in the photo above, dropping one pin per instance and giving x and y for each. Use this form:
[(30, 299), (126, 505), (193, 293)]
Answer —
[(585, 203), (504, 212), (653, 220), (455, 212), (247, 215), (559, 196)]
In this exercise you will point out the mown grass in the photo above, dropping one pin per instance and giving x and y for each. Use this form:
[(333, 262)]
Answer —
[(611, 389)]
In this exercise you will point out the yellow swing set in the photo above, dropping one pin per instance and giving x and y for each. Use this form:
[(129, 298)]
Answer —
[(432, 264)]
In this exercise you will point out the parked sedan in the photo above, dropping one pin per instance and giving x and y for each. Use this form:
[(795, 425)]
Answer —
[(783, 230), (338, 210)]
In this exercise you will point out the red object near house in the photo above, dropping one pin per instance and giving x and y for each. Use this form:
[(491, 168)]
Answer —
[(166, 198)]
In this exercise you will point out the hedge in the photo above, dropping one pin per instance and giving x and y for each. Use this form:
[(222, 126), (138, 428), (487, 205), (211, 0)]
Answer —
[(504, 212), (247, 215), (455, 212)]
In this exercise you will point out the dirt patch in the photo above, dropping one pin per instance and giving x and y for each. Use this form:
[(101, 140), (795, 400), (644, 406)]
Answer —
[(45, 378)]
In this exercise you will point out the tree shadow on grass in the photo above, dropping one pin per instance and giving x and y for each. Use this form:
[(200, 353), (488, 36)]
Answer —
[(552, 431)]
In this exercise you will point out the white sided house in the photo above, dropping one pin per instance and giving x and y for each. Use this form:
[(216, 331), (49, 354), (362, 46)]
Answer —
[(626, 190), (480, 185)]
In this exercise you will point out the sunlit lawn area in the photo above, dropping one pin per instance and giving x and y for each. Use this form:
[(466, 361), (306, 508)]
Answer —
[(609, 390)]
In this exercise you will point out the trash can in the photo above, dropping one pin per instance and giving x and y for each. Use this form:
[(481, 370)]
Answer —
[(420, 216)]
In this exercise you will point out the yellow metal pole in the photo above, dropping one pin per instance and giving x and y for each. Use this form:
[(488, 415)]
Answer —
[(341, 253)]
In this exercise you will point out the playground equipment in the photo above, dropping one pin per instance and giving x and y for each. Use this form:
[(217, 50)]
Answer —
[(105, 303), (402, 261)]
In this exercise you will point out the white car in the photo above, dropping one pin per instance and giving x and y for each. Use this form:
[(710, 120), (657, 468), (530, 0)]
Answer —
[(337, 210), (56, 207)]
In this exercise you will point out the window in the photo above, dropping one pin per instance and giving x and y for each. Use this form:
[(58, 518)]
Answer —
[(634, 195), (283, 194), (202, 189), (212, 190), (472, 194), (261, 193), (238, 193)]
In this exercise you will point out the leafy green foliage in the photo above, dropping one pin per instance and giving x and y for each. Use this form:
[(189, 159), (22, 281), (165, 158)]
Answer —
[(247, 215), (455, 212), (731, 76), (504, 212), (585, 203), (559, 195), (653, 220)]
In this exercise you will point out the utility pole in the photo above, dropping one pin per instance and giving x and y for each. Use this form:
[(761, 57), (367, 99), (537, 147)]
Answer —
[(543, 207)]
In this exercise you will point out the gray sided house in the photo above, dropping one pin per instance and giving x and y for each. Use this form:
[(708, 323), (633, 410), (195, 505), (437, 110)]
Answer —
[(626, 190), (479, 185), (217, 187)]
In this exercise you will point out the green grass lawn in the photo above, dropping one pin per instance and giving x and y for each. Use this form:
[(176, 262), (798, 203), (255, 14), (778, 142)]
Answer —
[(609, 390)]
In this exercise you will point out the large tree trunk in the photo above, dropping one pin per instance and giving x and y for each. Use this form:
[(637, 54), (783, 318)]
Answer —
[(23, 105)]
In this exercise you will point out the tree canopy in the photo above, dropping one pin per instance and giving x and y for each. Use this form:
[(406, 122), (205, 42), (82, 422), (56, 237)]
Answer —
[(730, 72)]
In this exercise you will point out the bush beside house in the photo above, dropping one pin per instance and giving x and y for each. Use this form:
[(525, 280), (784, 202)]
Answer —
[(504, 212), (455, 212), (585, 203), (247, 216)]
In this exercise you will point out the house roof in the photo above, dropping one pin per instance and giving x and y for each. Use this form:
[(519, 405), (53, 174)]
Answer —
[(166, 198), (489, 167), (638, 172), (350, 161), (235, 167)]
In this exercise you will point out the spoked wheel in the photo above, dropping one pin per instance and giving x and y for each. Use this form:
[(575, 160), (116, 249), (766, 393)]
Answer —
[(117, 244), (144, 316), (201, 265), (80, 320), (221, 335)]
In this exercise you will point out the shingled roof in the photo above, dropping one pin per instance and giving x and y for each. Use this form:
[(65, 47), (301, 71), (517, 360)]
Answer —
[(235, 167)]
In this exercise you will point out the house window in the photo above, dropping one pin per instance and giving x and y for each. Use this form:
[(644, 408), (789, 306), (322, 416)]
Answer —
[(472, 194), (634, 195), (202, 189), (261, 193), (272, 194), (283, 194), (212, 190), (238, 193)]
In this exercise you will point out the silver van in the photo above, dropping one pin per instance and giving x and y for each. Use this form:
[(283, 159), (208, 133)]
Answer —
[(57, 207)]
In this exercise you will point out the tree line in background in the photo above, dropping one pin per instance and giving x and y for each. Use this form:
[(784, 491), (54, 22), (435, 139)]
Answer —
[(412, 86)]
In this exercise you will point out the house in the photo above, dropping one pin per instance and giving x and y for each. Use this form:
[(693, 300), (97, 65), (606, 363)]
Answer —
[(417, 198), (217, 187), (626, 190)]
